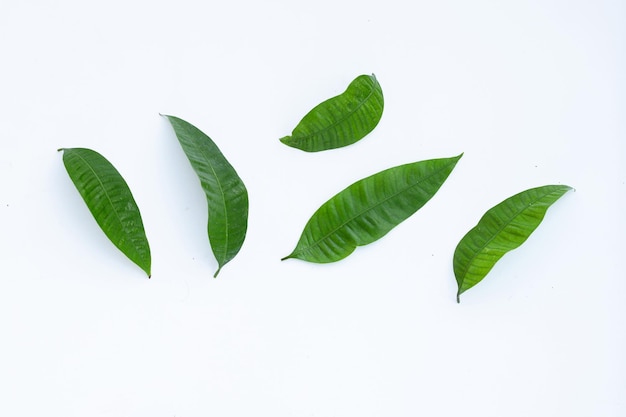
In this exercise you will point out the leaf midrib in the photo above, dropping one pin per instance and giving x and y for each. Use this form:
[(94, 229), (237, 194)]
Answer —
[(319, 241), (206, 155), (117, 216), (343, 119)]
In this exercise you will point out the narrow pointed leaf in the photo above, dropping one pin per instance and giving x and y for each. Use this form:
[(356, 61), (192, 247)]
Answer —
[(226, 195), (369, 209), (501, 229), (341, 120), (110, 201)]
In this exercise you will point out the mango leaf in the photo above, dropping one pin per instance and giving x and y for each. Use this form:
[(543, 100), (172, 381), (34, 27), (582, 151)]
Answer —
[(369, 209), (110, 201), (501, 229), (341, 120), (226, 195)]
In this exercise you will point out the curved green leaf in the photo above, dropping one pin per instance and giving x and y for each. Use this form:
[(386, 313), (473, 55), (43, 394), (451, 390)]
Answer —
[(501, 229), (341, 120), (226, 195), (110, 201), (369, 209)]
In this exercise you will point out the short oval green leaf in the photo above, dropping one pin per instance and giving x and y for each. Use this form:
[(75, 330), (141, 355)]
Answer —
[(501, 229), (341, 120), (368, 209), (110, 201), (226, 194)]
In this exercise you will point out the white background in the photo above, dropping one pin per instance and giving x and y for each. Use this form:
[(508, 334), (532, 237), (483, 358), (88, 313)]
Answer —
[(531, 91)]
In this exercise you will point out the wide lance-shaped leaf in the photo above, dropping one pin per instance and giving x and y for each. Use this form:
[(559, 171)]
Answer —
[(226, 194), (368, 209), (341, 120), (501, 229), (110, 201)]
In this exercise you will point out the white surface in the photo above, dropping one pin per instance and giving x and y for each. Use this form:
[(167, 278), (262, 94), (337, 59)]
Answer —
[(532, 92)]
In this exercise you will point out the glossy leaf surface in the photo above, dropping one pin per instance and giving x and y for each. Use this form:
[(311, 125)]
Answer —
[(341, 120), (501, 229), (110, 201), (369, 209), (226, 194)]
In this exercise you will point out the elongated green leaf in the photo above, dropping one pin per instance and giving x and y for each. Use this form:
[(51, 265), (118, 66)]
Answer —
[(501, 229), (226, 194), (369, 209), (110, 201), (341, 120)]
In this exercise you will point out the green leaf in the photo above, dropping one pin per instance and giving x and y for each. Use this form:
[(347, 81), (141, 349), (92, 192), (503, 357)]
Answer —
[(369, 209), (110, 201), (226, 195), (501, 229), (341, 120)]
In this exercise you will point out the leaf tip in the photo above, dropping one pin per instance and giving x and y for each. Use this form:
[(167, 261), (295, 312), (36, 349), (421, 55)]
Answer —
[(217, 272), (60, 149)]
